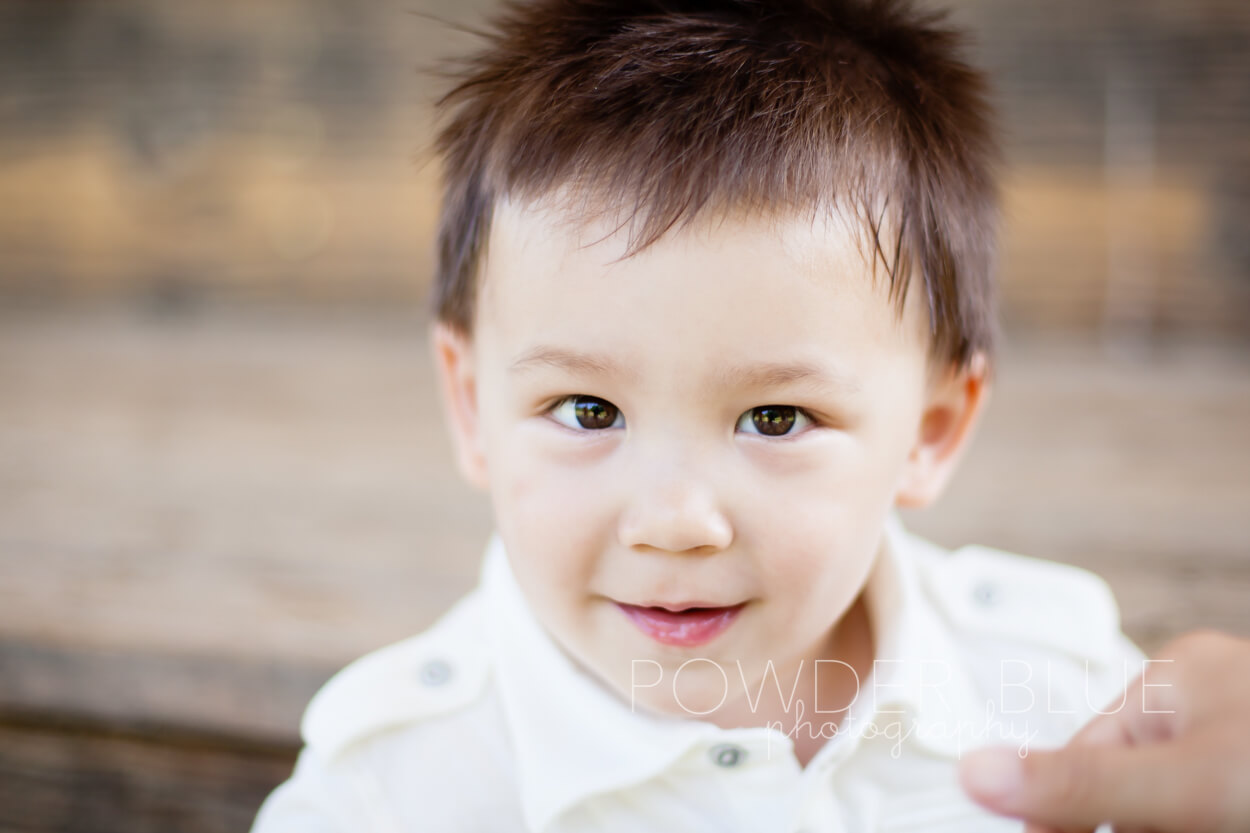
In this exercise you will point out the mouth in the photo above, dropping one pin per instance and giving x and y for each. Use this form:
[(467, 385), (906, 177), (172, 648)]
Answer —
[(681, 625)]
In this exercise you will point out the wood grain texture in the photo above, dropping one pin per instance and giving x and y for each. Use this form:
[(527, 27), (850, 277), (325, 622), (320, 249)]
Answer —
[(80, 779), (178, 154)]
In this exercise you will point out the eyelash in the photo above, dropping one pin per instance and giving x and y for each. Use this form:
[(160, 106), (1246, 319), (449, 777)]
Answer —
[(802, 413)]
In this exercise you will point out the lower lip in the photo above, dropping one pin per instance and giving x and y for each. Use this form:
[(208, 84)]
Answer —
[(685, 629)]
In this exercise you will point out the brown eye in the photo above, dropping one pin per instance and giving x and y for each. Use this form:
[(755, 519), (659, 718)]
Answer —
[(594, 413), (772, 420), (588, 412)]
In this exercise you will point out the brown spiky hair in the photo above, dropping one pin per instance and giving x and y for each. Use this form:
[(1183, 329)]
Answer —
[(659, 110)]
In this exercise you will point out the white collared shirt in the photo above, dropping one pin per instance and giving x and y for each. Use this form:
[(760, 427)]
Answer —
[(483, 723)]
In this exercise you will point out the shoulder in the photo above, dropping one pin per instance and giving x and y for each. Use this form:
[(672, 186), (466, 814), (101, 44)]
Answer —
[(1057, 623), (401, 737), (1053, 606), (1039, 637), (435, 674)]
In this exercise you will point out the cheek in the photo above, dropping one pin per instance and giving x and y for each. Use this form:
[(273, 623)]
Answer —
[(808, 548), (552, 523), (818, 532), (552, 499)]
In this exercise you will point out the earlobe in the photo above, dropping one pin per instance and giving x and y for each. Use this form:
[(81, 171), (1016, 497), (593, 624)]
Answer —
[(452, 351), (952, 409)]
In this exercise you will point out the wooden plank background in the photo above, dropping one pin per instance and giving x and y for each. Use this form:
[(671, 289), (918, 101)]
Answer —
[(222, 470), (274, 150)]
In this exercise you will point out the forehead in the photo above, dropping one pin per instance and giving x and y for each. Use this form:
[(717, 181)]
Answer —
[(725, 283)]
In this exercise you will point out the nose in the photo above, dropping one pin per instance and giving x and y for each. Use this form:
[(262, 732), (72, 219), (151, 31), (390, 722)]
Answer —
[(678, 514)]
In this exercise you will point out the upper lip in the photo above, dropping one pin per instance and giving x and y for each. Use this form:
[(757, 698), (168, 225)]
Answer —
[(677, 607)]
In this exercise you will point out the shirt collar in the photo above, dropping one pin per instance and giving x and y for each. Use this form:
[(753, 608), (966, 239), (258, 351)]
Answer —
[(919, 674), (574, 737)]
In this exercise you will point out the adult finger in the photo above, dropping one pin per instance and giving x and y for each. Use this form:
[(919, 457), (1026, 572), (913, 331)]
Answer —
[(1081, 786)]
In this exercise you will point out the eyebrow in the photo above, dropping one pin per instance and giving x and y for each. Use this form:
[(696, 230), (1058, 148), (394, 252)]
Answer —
[(557, 357), (777, 374), (762, 375)]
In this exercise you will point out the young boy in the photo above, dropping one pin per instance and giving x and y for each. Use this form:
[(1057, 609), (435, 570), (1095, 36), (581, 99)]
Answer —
[(714, 295)]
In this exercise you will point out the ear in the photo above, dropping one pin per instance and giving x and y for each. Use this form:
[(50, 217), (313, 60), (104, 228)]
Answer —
[(453, 360), (954, 402)]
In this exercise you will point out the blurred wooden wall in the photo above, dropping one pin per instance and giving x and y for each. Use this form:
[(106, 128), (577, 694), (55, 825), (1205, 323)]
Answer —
[(271, 150), (215, 151), (200, 521)]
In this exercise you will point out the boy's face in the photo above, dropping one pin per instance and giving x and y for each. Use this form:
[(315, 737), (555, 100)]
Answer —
[(720, 421)]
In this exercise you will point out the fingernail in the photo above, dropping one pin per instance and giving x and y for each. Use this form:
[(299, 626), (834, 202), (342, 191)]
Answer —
[(992, 773)]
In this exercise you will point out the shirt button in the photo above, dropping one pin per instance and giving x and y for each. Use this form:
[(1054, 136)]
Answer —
[(727, 755), (985, 594), (435, 673)]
